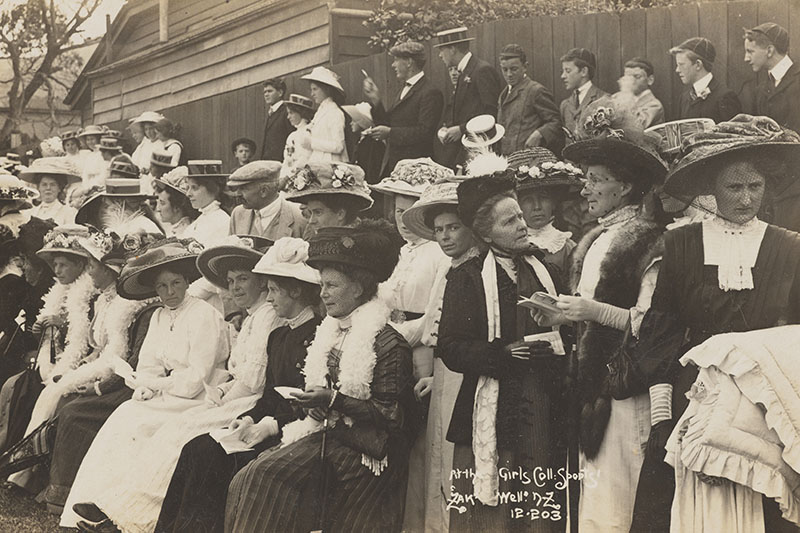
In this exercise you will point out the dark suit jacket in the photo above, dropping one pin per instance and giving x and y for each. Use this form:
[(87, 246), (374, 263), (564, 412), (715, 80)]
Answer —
[(720, 105), (526, 108), (570, 113), (413, 120), (781, 103), (276, 130)]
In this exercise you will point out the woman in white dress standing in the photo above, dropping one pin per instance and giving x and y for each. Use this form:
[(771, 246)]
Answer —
[(326, 138), (186, 346)]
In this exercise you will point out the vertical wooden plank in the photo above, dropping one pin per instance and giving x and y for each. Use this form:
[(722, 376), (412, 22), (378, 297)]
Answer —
[(713, 19), (776, 11), (794, 28), (633, 40), (684, 25), (544, 55), (563, 40), (484, 44), (659, 40), (586, 32), (609, 60), (518, 32), (740, 15)]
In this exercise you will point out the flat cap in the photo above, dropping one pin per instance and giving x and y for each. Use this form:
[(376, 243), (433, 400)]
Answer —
[(777, 35), (254, 171), (701, 46), (511, 51), (410, 49)]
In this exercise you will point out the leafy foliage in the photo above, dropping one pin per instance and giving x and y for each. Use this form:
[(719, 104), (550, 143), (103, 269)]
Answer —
[(38, 37), (398, 20)]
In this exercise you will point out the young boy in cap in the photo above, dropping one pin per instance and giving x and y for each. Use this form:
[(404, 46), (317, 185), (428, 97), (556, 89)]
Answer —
[(526, 108), (705, 96), (577, 72), (766, 47), (409, 124)]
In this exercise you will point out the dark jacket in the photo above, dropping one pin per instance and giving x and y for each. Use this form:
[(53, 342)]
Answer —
[(276, 130), (570, 113), (720, 105), (414, 120), (526, 108), (781, 103)]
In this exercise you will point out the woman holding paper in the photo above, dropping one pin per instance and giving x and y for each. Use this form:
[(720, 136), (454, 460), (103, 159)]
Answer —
[(516, 387), (195, 499), (614, 269), (186, 345)]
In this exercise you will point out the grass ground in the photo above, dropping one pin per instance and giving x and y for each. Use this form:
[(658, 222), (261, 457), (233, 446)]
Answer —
[(20, 513)]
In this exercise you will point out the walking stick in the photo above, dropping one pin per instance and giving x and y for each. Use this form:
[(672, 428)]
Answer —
[(323, 471)]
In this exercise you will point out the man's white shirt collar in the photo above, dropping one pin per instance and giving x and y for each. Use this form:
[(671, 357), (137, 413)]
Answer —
[(702, 84), (464, 60), (780, 70)]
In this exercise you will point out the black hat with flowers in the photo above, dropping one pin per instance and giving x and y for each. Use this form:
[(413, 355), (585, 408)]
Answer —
[(372, 245), (538, 168)]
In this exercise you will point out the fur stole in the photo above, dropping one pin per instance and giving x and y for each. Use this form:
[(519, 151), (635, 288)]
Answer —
[(72, 303), (634, 247), (355, 368), (119, 320)]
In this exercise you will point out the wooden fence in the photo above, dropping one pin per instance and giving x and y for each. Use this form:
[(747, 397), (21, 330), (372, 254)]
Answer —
[(210, 124)]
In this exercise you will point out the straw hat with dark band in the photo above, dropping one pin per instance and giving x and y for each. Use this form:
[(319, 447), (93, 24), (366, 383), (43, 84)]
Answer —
[(236, 253), (452, 36), (436, 195), (205, 168)]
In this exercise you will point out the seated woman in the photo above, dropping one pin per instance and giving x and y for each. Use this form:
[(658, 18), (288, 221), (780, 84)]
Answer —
[(195, 500), (544, 183), (172, 204), (729, 273), (369, 407), (205, 182), (52, 176), (186, 346), (134, 504)]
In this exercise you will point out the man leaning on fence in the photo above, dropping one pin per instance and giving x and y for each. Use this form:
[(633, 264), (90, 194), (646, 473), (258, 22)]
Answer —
[(526, 108)]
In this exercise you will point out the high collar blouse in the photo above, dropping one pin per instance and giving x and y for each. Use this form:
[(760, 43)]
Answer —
[(211, 227)]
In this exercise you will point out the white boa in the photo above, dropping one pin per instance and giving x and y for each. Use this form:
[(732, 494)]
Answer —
[(120, 317), (355, 368), (71, 303)]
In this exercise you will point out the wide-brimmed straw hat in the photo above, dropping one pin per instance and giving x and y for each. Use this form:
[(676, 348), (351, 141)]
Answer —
[(93, 130), (412, 176), (756, 139), (134, 280), (51, 166), (287, 259), (482, 131), (436, 195), (175, 179), (69, 239), (609, 132), (538, 168), (13, 189), (315, 180), (326, 77), (234, 252), (148, 116), (361, 114)]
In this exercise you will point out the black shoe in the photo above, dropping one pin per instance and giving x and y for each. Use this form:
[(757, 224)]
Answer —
[(90, 512), (104, 526)]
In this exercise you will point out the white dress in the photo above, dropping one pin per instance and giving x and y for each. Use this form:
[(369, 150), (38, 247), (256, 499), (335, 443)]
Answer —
[(56, 211), (210, 227), (608, 491), (295, 155), (189, 345), (143, 154), (327, 133)]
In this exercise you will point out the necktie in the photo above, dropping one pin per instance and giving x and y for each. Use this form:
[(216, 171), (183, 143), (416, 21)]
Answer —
[(693, 94), (577, 98), (406, 88)]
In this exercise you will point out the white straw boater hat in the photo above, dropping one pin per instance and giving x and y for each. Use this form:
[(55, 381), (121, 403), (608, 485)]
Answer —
[(287, 259), (324, 76), (315, 180), (134, 281), (53, 166), (13, 189), (69, 239), (452, 36), (234, 253), (482, 131), (436, 195), (411, 176)]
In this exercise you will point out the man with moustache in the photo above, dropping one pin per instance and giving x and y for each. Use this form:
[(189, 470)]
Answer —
[(409, 125), (526, 108), (578, 67), (263, 212)]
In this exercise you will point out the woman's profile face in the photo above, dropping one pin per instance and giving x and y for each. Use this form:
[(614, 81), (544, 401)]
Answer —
[(508, 231), (739, 192), (318, 94), (199, 194), (603, 191)]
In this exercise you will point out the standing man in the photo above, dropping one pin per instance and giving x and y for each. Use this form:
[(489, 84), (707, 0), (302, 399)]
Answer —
[(278, 127), (477, 90), (638, 78), (766, 47), (577, 72), (263, 212), (705, 96), (409, 124), (526, 108)]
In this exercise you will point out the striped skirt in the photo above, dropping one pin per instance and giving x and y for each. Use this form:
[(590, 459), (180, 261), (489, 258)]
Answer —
[(280, 491)]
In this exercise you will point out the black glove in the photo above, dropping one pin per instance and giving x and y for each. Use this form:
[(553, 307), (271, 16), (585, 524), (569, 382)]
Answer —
[(659, 434), (530, 351)]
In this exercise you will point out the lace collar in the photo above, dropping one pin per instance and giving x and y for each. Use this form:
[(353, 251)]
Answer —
[(733, 249), (548, 238), (619, 216)]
